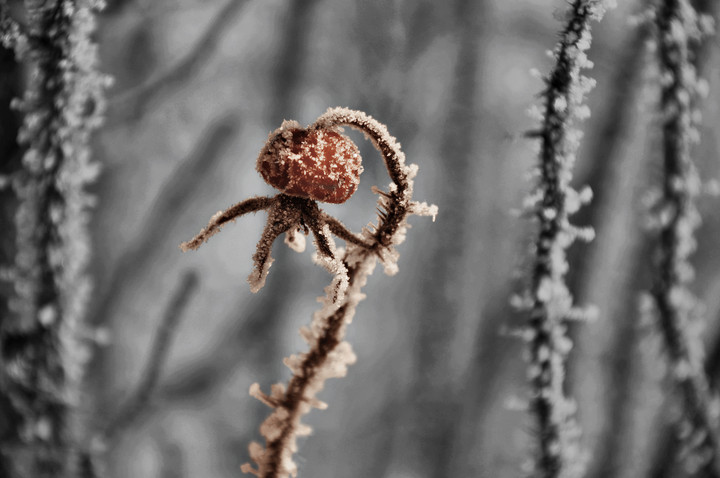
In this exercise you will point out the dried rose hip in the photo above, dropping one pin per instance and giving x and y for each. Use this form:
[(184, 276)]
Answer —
[(318, 164)]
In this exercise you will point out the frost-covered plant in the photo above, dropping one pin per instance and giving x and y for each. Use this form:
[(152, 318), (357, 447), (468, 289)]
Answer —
[(319, 163), (42, 358), (677, 28), (553, 200)]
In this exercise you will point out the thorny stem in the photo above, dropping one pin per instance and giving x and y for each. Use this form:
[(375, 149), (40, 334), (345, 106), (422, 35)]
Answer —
[(676, 23), (295, 396), (556, 453)]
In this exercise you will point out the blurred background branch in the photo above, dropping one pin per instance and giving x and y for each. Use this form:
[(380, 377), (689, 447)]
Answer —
[(130, 104)]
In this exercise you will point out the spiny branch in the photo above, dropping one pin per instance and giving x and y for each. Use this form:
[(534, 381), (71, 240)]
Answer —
[(678, 28), (549, 302)]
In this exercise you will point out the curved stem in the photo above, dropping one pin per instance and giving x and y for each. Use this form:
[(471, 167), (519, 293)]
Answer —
[(397, 203)]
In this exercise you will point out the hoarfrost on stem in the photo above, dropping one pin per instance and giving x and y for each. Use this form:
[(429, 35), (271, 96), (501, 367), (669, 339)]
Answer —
[(62, 105), (557, 452), (678, 29)]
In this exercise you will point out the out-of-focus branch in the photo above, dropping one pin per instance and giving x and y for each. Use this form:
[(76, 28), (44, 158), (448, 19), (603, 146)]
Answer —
[(666, 447), (133, 103), (173, 458), (173, 199), (177, 193), (702, 52), (297, 29), (606, 165), (139, 401), (428, 445), (678, 28), (159, 349), (63, 102)]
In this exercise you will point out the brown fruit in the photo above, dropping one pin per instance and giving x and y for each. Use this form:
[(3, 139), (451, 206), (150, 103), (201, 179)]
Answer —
[(318, 164)]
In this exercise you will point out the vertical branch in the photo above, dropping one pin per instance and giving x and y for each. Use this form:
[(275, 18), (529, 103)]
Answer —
[(159, 350), (678, 27), (552, 202), (61, 107)]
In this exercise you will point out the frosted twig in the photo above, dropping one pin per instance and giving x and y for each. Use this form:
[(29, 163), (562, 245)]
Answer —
[(90, 463), (557, 451), (62, 105), (166, 331), (329, 355), (678, 28), (221, 218)]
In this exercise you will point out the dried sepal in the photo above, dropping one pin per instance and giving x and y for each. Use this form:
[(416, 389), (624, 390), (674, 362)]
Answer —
[(221, 218)]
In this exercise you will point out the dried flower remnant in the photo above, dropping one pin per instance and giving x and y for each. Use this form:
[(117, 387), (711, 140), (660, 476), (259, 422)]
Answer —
[(549, 302), (329, 354), (62, 105), (677, 28), (308, 165)]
